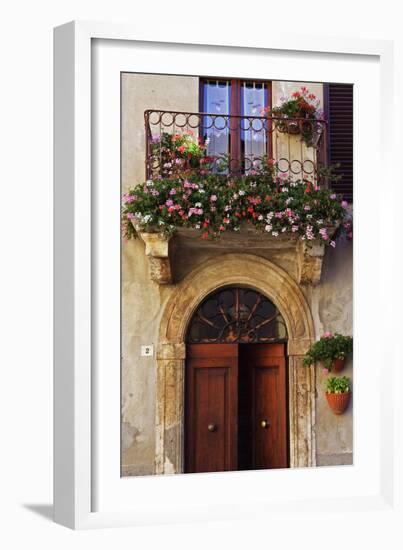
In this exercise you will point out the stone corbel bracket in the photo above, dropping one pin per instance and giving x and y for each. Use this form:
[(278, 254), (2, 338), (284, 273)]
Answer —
[(309, 262), (157, 252), (309, 258)]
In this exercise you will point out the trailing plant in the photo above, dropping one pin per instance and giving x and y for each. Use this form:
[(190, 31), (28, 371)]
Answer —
[(336, 384), (214, 203), (329, 348)]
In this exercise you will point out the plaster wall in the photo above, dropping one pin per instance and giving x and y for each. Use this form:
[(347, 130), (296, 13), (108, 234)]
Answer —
[(143, 300)]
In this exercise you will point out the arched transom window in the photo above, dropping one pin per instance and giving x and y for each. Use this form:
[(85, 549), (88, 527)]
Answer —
[(236, 315)]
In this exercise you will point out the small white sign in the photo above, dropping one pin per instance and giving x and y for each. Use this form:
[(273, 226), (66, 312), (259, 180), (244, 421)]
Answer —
[(147, 351)]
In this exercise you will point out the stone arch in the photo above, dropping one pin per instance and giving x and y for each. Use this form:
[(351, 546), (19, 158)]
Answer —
[(272, 281)]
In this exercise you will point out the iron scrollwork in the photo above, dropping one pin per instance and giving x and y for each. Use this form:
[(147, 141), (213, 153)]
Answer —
[(236, 315)]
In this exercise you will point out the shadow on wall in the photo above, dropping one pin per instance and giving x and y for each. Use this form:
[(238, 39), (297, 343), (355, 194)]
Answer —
[(43, 510)]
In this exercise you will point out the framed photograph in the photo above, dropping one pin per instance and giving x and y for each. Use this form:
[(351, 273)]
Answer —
[(212, 207)]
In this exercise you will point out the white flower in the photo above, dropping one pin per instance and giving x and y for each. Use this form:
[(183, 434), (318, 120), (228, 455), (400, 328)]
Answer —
[(161, 222), (241, 192), (236, 228), (275, 233), (288, 200), (197, 226), (309, 216), (284, 229), (268, 228), (201, 191), (147, 218), (198, 205), (235, 196), (284, 189), (260, 218)]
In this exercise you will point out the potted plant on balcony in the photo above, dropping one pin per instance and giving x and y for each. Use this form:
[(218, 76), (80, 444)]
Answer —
[(330, 350), (173, 154), (298, 114), (338, 393)]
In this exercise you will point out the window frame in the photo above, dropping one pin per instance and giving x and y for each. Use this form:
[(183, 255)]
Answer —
[(235, 149)]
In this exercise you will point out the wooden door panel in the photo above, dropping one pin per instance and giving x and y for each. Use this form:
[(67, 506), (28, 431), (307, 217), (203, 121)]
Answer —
[(269, 408), (264, 373), (211, 408)]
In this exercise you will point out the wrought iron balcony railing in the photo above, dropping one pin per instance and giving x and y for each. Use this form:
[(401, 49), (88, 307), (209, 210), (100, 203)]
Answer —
[(230, 144)]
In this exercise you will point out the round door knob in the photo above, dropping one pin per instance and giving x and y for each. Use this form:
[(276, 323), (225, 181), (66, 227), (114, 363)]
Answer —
[(212, 428), (265, 423)]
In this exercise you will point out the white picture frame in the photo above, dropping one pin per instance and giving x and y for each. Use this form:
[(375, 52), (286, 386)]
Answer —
[(88, 491)]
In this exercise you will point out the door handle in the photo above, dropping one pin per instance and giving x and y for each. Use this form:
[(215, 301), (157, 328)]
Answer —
[(265, 424), (212, 428)]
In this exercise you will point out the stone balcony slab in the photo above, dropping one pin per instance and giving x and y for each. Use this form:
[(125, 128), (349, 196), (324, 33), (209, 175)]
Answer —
[(159, 248)]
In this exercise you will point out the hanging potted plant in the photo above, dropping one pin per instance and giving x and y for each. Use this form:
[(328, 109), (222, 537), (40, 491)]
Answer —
[(298, 114), (338, 393), (331, 350)]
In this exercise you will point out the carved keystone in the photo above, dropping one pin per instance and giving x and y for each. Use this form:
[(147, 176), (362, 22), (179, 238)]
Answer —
[(157, 251)]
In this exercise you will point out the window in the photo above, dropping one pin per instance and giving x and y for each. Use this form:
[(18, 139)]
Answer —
[(243, 136)]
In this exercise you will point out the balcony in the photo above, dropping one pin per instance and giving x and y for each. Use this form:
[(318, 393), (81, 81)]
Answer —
[(236, 145), (182, 145)]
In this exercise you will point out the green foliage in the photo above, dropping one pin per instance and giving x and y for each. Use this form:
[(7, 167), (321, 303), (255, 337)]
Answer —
[(336, 384), (301, 105), (215, 203), (174, 154), (329, 348)]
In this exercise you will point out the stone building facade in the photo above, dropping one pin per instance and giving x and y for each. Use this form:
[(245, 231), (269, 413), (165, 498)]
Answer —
[(313, 292)]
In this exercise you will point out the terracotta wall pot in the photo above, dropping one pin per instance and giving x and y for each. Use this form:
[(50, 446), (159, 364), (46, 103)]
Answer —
[(338, 402), (338, 364)]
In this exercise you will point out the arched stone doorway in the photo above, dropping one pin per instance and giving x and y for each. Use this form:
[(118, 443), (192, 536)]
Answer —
[(271, 281), (236, 384)]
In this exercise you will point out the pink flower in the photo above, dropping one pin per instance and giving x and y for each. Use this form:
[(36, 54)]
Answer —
[(323, 233), (344, 204), (325, 371), (172, 191), (327, 335), (130, 216), (213, 198), (333, 243), (129, 198), (169, 202)]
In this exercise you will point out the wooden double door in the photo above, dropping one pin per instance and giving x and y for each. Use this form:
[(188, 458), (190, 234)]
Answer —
[(236, 407)]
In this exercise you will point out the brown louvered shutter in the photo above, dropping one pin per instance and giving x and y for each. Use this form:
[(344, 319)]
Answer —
[(340, 135)]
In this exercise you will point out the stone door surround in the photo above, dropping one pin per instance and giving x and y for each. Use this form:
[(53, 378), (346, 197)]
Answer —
[(265, 277)]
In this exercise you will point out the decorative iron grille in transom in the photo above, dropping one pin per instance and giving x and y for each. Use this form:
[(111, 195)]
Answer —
[(233, 315)]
